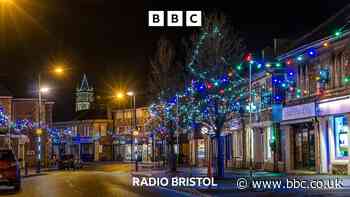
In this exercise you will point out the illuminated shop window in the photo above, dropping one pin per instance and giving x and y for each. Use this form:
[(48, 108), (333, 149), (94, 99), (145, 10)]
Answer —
[(341, 130), (201, 149), (269, 141)]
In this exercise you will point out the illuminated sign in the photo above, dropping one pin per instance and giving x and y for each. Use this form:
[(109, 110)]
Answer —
[(334, 107), (299, 111)]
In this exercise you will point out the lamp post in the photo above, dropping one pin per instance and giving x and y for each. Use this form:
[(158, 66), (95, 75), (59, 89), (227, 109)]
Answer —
[(132, 95), (42, 89), (250, 122)]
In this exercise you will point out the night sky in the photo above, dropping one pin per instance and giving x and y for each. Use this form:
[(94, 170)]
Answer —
[(109, 39)]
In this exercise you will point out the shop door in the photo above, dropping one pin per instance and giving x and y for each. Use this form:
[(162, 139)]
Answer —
[(304, 148)]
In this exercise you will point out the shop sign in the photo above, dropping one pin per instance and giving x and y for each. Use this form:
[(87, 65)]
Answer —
[(299, 111), (334, 107), (82, 140)]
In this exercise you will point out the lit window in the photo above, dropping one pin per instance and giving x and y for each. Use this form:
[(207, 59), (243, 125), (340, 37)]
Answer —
[(269, 140), (341, 130)]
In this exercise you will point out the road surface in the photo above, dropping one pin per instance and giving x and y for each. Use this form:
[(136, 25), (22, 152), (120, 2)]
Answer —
[(96, 181)]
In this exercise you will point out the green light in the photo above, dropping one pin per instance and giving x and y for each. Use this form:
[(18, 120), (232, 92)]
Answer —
[(338, 33), (284, 85), (239, 67), (346, 79), (278, 65), (298, 91), (300, 58)]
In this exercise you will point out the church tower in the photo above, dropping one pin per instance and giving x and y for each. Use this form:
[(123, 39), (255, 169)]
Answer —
[(84, 95)]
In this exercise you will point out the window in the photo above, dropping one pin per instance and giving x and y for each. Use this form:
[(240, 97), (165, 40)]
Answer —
[(201, 149), (269, 140), (341, 130)]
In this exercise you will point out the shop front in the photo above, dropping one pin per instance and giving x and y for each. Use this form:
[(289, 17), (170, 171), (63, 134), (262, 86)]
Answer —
[(198, 149), (334, 126), (107, 149), (84, 147), (262, 139), (299, 130)]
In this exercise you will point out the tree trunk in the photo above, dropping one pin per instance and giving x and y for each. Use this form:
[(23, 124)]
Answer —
[(172, 156), (220, 159)]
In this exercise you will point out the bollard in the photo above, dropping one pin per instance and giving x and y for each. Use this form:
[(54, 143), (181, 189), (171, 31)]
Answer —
[(136, 165)]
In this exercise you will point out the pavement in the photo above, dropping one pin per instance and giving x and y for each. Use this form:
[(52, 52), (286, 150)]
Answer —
[(228, 185)]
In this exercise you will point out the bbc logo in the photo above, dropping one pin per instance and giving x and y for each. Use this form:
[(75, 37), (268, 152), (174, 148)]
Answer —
[(174, 18)]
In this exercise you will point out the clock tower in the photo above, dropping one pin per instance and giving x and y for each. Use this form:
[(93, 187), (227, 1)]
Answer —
[(84, 95)]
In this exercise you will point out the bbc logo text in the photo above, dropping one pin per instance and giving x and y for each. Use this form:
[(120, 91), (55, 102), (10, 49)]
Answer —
[(174, 18)]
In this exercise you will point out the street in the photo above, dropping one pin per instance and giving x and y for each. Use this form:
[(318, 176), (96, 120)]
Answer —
[(114, 179), (98, 180)]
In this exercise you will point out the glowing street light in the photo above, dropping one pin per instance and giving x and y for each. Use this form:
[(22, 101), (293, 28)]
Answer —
[(5, 1), (120, 95), (130, 93), (58, 70), (44, 89)]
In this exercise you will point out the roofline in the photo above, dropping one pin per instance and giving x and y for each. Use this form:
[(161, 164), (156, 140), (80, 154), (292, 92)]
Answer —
[(314, 44), (31, 99)]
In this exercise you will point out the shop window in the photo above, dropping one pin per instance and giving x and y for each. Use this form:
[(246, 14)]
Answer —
[(341, 130), (201, 149), (269, 141)]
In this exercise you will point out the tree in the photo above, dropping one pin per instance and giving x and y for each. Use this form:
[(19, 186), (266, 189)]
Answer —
[(4, 121), (165, 80), (218, 87)]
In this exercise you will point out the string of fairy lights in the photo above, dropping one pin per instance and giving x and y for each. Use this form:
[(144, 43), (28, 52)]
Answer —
[(23, 126), (195, 103)]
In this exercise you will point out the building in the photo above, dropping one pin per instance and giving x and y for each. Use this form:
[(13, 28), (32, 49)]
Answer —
[(126, 136), (88, 137), (24, 112), (84, 95), (315, 122)]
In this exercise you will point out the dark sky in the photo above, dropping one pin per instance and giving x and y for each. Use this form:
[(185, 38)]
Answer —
[(109, 39)]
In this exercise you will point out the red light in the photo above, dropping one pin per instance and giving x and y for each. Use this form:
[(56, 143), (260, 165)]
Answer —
[(289, 62), (222, 91), (248, 57), (209, 86)]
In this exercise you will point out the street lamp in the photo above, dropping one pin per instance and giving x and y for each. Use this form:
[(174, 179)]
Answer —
[(44, 89), (132, 95), (41, 90), (120, 95), (5, 1), (250, 121), (58, 70)]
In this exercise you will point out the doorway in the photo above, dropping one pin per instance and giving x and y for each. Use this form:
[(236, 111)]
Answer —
[(304, 147)]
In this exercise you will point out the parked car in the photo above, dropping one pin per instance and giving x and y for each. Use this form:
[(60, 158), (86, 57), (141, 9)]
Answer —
[(9, 169), (68, 162)]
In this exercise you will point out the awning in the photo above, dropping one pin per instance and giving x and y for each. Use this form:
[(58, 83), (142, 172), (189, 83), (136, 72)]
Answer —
[(297, 121)]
